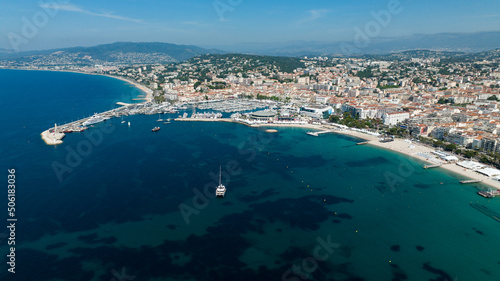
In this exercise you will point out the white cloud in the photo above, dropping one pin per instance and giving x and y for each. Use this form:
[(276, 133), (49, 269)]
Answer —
[(76, 9)]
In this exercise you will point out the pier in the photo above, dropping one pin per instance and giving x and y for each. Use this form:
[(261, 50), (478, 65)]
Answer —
[(469, 181), (432, 166), (320, 132), (205, 119), (489, 193), (361, 143)]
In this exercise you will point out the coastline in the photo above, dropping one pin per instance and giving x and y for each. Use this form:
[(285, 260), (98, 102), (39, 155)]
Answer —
[(414, 150), (411, 149), (148, 92), (417, 151)]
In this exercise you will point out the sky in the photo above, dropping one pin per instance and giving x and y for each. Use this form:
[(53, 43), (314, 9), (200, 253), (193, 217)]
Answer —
[(47, 24)]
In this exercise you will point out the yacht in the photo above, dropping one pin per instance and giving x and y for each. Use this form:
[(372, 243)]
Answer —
[(93, 120), (221, 189), (155, 129)]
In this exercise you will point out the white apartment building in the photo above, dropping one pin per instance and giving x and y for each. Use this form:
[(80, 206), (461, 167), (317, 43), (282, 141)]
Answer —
[(393, 118)]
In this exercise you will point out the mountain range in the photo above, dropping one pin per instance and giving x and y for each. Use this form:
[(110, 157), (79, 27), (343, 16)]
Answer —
[(452, 42), (443, 44), (131, 52)]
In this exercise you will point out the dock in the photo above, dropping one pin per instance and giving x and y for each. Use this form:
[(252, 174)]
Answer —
[(320, 132), (361, 143), (489, 194), (469, 181), (205, 119), (432, 166)]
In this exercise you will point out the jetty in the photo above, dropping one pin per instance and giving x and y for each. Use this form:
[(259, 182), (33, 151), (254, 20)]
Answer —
[(54, 135), (432, 166), (489, 193), (320, 132), (205, 119), (361, 143), (469, 181), (52, 138)]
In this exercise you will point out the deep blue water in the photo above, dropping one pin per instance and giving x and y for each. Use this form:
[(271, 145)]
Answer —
[(123, 203)]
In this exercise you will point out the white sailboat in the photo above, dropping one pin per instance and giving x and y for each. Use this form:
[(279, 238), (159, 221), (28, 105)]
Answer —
[(221, 189), (159, 118)]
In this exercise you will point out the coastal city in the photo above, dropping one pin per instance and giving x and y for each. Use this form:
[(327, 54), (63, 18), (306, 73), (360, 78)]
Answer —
[(447, 104), (250, 140), (452, 102)]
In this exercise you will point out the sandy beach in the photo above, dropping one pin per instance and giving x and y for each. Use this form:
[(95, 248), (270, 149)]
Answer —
[(407, 148), (146, 90), (421, 152)]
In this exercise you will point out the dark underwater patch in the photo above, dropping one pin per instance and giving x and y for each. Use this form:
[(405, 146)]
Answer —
[(478, 231), (442, 275), (373, 161), (395, 248), (422, 186), (398, 273)]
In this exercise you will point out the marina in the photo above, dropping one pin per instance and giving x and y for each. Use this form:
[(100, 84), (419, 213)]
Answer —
[(229, 106), (54, 135)]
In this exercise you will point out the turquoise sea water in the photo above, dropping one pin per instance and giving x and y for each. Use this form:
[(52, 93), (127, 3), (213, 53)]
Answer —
[(123, 203)]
